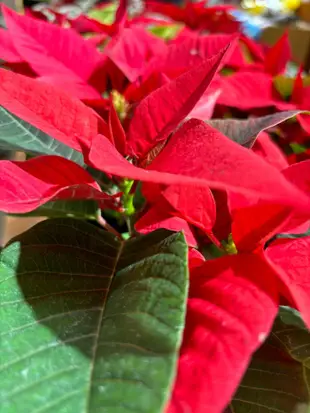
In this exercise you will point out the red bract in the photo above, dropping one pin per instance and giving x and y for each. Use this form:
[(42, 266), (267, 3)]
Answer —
[(132, 49), (51, 110), (84, 24), (230, 311), (197, 16), (8, 52), (162, 110), (159, 217), (204, 46), (191, 51), (290, 259), (224, 306), (254, 221), (278, 56), (27, 185), (183, 160), (116, 132), (177, 201), (267, 149), (62, 50), (247, 91), (301, 98)]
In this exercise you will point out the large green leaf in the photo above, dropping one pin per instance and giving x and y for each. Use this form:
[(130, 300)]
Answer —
[(278, 379), (16, 134), (90, 323)]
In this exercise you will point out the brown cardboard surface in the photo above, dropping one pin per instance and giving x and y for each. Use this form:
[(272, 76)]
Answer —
[(304, 12), (15, 226)]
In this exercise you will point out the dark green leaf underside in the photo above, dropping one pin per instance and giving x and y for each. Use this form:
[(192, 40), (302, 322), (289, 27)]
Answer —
[(16, 134), (89, 323), (278, 379), (245, 131), (82, 209)]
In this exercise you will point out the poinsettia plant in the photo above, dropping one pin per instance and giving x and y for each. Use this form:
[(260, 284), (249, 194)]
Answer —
[(171, 273)]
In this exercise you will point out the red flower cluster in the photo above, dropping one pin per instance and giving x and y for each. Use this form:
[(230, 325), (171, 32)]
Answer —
[(140, 108)]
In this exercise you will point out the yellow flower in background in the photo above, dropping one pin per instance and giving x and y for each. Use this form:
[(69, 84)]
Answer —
[(291, 5), (259, 6)]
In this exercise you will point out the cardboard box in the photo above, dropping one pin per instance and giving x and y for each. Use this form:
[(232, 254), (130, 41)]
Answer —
[(304, 12)]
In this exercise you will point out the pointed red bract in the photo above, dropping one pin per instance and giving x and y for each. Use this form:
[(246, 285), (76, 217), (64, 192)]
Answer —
[(299, 175), (160, 112), (157, 217), (248, 90), (198, 16), (117, 133), (169, 10), (298, 88), (24, 186), (190, 52), (267, 149), (199, 150), (204, 108), (256, 50), (199, 155), (136, 92), (65, 52), (195, 258), (131, 51), (205, 46), (50, 110), (121, 14), (255, 223), (8, 53), (194, 204), (278, 56), (231, 307), (291, 261), (74, 87)]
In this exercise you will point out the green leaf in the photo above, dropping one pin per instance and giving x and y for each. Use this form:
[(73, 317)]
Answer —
[(278, 379), (82, 209), (105, 15), (16, 134), (297, 148), (166, 32), (285, 84), (90, 323)]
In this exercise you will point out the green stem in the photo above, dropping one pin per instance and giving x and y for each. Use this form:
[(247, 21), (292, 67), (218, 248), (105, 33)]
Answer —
[(127, 200)]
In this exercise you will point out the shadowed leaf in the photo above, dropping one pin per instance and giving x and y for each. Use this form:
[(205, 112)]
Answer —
[(278, 378), (95, 322)]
